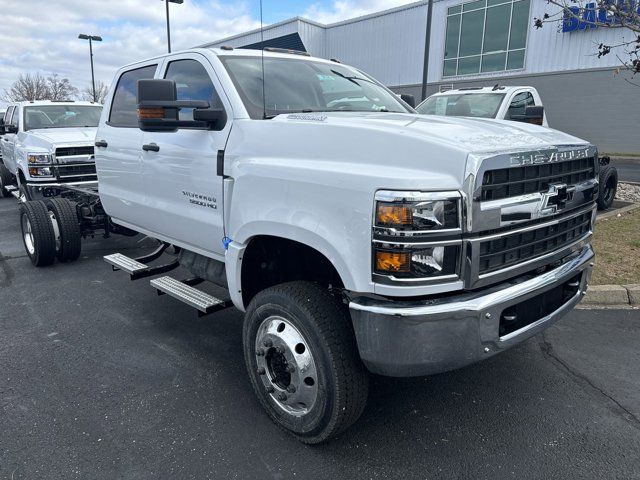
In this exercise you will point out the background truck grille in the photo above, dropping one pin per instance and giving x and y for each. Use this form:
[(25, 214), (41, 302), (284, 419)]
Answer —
[(510, 182), (514, 248), (75, 172), (72, 151)]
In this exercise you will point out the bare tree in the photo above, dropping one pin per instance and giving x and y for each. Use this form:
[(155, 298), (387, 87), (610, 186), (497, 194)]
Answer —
[(27, 87), (101, 92), (588, 14), (60, 88)]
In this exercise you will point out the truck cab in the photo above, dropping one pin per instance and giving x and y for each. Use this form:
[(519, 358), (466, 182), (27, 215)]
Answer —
[(500, 102), (354, 234), (46, 144)]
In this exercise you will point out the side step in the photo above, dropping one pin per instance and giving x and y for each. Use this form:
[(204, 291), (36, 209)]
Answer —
[(193, 297), (124, 263), (13, 190), (136, 269)]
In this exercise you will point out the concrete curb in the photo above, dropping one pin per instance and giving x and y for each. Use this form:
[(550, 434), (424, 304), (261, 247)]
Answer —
[(613, 213), (607, 295)]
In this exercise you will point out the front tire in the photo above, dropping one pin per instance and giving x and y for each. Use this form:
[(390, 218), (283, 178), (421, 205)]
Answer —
[(69, 246), (37, 233), (25, 196), (302, 358), (608, 187)]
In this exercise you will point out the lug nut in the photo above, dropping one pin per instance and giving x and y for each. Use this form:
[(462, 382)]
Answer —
[(291, 389), (282, 397), (260, 352), (270, 389), (487, 315), (261, 371), (268, 343)]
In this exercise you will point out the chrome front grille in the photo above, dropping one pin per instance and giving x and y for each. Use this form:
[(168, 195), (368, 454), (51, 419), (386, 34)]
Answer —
[(75, 163), (514, 181), (509, 249)]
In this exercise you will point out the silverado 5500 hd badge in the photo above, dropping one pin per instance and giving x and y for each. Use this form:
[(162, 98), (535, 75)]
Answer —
[(202, 200)]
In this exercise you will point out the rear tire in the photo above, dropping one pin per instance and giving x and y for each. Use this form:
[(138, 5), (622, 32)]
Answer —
[(37, 233), (303, 361), (6, 179), (608, 187), (70, 244)]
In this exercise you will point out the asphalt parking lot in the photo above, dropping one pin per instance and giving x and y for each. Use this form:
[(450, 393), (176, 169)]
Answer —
[(102, 379)]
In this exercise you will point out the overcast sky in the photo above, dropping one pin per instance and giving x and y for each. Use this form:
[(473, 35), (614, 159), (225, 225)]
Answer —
[(41, 35)]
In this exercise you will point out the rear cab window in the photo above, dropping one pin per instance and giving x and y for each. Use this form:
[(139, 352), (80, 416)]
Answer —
[(124, 104)]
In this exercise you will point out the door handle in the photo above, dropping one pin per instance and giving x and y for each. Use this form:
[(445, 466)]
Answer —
[(101, 143), (151, 147)]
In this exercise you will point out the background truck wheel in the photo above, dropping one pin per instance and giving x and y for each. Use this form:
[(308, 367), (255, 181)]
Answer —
[(69, 244), (37, 233), (303, 361), (5, 179), (608, 186)]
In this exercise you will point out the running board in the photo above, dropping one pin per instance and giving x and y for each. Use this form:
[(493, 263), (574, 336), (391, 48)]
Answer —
[(136, 269), (201, 301)]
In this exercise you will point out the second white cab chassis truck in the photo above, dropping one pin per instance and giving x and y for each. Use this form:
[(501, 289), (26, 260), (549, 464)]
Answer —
[(356, 235)]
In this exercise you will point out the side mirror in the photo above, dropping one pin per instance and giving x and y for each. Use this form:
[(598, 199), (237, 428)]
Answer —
[(408, 99), (534, 115), (2, 130), (158, 108), (10, 129)]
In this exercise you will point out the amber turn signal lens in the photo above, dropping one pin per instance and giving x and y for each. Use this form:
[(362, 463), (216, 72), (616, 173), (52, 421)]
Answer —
[(151, 113), (391, 262), (394, 214)]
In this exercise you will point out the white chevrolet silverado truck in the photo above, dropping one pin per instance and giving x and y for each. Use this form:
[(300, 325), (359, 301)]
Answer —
[(46, 144), (356, 235), (520, 104)]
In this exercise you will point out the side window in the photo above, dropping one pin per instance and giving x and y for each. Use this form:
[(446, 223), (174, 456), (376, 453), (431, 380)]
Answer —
[(124, 105), (192, 83), (519, 103)]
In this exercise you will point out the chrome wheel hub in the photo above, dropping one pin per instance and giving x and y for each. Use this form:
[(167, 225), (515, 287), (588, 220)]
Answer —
[(286, 366), (27, 233)]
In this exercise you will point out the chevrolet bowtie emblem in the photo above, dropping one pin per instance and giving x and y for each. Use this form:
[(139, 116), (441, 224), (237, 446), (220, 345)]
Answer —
[(556, 197)]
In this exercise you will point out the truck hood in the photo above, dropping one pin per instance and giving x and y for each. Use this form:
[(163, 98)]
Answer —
[(51, 137), (473, 135)]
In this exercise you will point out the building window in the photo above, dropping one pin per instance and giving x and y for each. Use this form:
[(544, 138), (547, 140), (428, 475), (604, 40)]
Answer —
[(485, 36)]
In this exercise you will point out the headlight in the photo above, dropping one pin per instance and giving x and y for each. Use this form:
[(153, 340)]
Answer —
[(41, 158), (416, 236), (417, 211)]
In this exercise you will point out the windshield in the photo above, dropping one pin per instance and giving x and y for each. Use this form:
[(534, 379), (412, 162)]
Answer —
[(295, 85), (61, 116), (484, 105)]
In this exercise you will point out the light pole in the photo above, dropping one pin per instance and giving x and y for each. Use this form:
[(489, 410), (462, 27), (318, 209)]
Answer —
[(91, 38), (167, 2), (427, 48)]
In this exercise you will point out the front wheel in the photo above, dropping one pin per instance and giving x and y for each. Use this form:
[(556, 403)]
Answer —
[(303, 361), (608, 187)]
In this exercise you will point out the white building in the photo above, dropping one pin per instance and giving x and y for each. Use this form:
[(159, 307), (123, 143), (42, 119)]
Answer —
[(481, 42)]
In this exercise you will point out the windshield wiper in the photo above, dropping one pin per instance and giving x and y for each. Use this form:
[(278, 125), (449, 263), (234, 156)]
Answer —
[(353, 78)]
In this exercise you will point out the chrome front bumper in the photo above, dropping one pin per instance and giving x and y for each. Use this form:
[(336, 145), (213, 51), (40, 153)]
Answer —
[(411, 338)]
